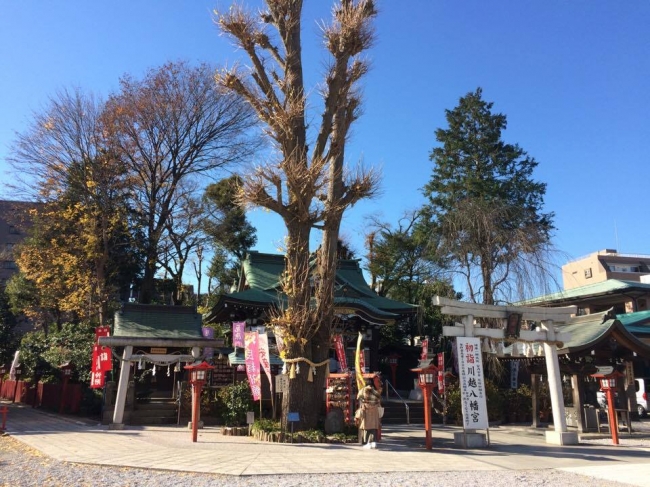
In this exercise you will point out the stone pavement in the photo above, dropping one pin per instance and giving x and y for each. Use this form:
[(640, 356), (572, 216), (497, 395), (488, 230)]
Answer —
[(401, 449)]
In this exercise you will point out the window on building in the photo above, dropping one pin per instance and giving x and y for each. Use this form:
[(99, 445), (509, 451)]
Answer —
[(588, 273)]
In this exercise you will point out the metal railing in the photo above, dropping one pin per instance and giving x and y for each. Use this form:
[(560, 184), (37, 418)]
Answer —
[(406, 406)]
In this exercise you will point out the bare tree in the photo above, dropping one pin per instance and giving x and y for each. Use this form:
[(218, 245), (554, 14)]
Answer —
[(169, 126), (308, 189), (183, 234), (65, 160)]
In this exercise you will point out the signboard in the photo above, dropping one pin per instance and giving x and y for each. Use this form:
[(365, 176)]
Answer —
[(293, 417), (514, 374), (158, 351), (281, 383), (605, 369), (250, 417), (472, 386)]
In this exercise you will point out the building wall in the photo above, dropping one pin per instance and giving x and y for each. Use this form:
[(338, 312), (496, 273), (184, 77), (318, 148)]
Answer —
[(603, 265), (14, 223)]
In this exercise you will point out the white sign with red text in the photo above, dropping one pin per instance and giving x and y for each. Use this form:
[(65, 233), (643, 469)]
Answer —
[(472, 385)]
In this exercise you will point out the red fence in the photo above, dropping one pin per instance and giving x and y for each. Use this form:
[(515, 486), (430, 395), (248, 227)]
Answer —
[(43, 395)]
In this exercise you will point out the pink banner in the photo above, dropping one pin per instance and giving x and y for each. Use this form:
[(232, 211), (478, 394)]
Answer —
[(265, 361), (238, 333), (441, 373), (252, 355), (425, 349), (340, 352)]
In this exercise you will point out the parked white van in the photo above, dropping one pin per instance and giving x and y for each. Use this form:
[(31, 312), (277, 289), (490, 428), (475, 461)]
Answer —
[(642, 388)]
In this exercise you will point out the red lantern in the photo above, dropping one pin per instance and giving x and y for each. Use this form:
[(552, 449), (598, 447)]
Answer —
[(607, 380)]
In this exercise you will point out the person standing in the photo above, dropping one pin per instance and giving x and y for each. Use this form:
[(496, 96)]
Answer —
[(369, 403)]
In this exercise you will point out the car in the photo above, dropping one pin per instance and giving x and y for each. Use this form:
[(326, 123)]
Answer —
[(641, 387)]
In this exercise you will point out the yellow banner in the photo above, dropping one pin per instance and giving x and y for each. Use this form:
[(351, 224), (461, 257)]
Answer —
[(357, 364)]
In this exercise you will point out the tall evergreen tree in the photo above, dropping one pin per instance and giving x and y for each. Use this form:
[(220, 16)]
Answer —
[(485, 206), (227, 229)]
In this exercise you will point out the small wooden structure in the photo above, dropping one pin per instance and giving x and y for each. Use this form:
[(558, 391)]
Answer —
[(157, 329)]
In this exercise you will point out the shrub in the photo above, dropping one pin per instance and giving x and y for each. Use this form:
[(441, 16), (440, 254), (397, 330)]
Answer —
[(453, 409), (233, 402), (266, 425)]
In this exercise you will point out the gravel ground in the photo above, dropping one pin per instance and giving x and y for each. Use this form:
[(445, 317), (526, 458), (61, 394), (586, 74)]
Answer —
[(23, 466)]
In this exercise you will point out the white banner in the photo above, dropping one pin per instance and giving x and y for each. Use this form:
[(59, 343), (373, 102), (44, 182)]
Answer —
[(472, 385), (265, 360)]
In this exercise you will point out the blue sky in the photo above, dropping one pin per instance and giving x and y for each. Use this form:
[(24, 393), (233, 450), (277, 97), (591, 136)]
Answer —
[(572, 78)]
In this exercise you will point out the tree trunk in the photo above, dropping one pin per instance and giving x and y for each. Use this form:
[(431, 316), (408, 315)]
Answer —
[(147, 285)]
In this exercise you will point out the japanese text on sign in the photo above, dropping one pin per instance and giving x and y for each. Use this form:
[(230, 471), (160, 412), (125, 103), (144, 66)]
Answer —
[(472, 387), (238, 333)]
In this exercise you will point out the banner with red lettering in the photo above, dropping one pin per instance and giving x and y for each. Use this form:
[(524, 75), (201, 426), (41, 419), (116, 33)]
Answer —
[(102, 331), (425, 349), (252, 356), (472, 385), (340, 352), (102, 359), (265, 360), (238, 333), (96, 374)]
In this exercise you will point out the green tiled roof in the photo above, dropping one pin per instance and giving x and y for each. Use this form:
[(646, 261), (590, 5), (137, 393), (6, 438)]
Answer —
[(263, 273), (154, 321), (609, 286), (586, 330), (636, 323)]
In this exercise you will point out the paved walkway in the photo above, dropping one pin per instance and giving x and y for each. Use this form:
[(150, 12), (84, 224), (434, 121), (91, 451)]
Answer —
[(402, 449)]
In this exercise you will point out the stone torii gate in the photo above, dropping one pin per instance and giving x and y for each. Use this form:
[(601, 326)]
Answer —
[(544, 334)]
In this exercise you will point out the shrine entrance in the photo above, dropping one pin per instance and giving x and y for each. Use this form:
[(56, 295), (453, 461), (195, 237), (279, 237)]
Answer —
[(508, 319)]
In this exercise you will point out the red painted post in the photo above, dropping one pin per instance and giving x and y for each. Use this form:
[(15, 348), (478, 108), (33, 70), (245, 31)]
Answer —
[(196, 400), (611, 413), (198, 376), (4, 411), (427, 415)]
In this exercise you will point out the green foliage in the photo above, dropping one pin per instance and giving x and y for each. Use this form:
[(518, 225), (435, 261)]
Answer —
[(402, 268), (226, 223), (228, 230), (266, 425), (494, 399), (485, 208), (8, 339), (234, 401), (42, 354)]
